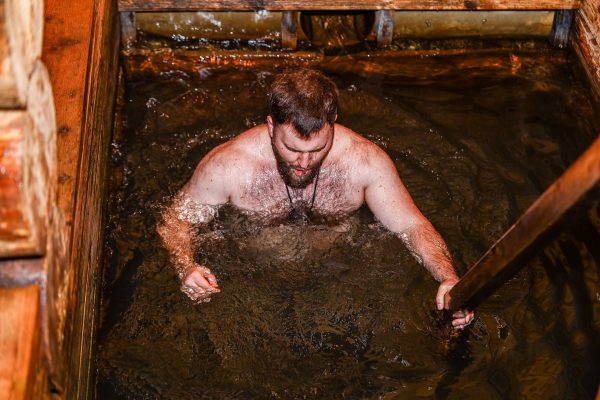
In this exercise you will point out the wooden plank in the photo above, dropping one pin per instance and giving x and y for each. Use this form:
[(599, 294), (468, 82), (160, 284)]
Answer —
[(208, 5), (585, 41), (564, 193), (384, 27), (88, 217), (21, 25), (80, 50), (561, 28), (19, 341), (289, 30), (128, 30), (51, 275), (66, 50)]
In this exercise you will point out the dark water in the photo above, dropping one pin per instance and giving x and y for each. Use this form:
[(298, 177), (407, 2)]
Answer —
[(341, 310)]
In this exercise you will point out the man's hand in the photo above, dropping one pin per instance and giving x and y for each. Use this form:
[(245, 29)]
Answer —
[(199, 284), (461, 318)]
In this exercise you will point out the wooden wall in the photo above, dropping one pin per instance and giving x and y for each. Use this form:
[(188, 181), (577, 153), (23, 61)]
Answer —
[(585, 40), (253, 5), (31, 241), (53, 151), (62, 240), (81, 51)]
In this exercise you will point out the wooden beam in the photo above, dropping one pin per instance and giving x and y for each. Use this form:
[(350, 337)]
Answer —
[(289, 30), (561, 28), (81, 42), (545, 212), (384, 27), (245, 5), (27, 169), (19, 342), (585, 41), (21, 29), (128, 30)]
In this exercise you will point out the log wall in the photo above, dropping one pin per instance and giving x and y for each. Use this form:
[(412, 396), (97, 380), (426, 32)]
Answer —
[(32, 238), (21, 27), (19, 344)]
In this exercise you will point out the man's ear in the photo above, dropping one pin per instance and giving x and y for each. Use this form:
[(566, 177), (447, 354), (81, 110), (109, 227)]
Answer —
[(270, 125), (335, 119)]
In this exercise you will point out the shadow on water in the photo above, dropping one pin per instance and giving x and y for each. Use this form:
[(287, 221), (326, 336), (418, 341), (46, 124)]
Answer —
[(341, 309)]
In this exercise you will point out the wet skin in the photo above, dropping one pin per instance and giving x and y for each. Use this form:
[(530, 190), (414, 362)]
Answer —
[(251, 172)]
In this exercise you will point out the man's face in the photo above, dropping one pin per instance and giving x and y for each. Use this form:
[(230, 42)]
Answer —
[(299, 158)]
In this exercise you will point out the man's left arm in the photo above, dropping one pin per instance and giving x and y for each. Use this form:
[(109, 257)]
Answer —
[(393, 206)]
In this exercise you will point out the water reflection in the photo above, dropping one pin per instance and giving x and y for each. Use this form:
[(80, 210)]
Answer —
[(339, 308)]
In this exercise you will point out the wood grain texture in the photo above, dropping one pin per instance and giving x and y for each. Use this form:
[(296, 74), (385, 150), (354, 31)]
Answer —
[(27, 169), (66, 50), (585, 41), (21, 26), (19, 342), (564, 193), (88, 217), (80, 50), (51, 274), (208, 5)]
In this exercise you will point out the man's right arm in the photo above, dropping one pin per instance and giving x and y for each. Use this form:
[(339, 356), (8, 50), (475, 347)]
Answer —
[(194, 205)]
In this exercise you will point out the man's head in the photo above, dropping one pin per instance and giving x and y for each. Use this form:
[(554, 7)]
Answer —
[(305, 98), (302, 113)]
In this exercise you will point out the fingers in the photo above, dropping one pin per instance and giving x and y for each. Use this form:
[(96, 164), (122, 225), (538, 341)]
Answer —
[(212, 280), (199, 284), (439, 297), (462, 319)]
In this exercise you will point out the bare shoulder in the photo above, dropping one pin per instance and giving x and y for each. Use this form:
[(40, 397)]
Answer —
[(361, 154), (217, 174)]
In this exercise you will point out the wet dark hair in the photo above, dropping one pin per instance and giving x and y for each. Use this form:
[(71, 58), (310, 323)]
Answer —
[(305, 98)]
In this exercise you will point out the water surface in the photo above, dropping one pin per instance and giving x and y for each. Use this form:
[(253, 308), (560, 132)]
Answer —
[(341, 309)]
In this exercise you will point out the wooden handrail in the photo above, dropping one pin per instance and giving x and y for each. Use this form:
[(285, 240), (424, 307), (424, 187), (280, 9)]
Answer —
[(241, 5), (579, 179)]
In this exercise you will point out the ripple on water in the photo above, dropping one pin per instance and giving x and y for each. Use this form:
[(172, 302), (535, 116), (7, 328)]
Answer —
[(338, 309)]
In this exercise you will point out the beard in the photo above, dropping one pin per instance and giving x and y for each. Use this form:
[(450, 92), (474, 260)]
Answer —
[(287, 172)]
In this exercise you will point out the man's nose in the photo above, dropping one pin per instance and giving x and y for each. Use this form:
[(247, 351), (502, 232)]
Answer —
[(304, 160)]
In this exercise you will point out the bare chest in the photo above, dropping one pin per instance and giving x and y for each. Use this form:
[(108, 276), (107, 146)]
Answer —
[(333, 193)]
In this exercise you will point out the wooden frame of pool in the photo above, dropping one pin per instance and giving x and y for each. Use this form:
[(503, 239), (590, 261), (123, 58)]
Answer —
[(81, 50)]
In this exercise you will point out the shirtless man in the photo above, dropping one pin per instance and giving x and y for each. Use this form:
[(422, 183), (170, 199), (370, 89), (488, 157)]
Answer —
[(301, 159)]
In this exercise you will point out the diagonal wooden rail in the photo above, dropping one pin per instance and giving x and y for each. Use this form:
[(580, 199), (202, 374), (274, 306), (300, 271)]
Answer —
[(253, 5), (498, 262)]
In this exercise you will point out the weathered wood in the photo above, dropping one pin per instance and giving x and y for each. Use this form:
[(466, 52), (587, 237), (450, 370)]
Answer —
[(460, 24), (289, 30), (222, 25), (28, 169), (185, 60), (55, 300), (51, 274), (207, 5), (80, 51), (585, 41), (128, 30), (561, 28), (21, 26), (66, 50), (384, 27), (19, 342), (563, 194)]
